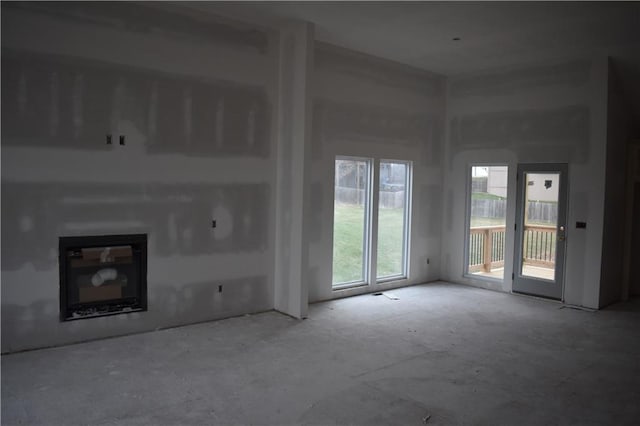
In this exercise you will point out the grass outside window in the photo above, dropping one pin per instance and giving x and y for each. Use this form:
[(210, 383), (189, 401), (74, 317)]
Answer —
[(347, 242)]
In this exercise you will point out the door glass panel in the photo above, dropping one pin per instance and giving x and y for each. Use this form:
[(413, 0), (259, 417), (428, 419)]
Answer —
[(351, 219), (392, 219), (540, 225), (487, 225)]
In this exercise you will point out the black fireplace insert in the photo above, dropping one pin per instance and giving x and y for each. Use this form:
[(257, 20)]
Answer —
[(102, 275)]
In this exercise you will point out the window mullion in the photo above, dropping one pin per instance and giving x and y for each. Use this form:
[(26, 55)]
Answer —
[(373, 228)]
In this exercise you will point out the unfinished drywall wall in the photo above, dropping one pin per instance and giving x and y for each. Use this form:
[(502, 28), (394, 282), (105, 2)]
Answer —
[(618, 136), (368, 107), (634, 244), (551, 113), (291, 294), (194, 99)]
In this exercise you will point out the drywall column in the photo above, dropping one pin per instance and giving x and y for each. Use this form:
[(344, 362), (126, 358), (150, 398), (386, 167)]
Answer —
[(618, 135), (293, 141), (631, 281), (593, 175)]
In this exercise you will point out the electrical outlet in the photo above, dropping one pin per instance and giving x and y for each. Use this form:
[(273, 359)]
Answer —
[(219, 289), (109, 139), (121, 139), (213, 223), (428, 260)]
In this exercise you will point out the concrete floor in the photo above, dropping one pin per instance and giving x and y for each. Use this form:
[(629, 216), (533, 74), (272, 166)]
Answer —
[(458, 354)]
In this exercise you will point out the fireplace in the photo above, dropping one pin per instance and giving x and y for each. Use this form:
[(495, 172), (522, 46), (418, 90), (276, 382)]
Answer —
[(102, 275)]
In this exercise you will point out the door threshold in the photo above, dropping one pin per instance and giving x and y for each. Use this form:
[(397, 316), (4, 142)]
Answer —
[(536, 296)]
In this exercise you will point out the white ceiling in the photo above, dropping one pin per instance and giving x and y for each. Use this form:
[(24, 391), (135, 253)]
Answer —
[(492, 34)]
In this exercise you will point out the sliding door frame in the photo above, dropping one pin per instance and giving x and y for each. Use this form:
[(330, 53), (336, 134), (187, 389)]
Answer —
[(368, 248)]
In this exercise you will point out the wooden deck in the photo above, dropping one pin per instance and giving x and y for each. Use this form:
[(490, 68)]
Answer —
[(486, 251), (529, 270)]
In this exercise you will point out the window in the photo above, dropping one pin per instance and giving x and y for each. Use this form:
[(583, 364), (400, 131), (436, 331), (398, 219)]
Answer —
[(486, 227), (357, 189), (393, 202), (351, 223)]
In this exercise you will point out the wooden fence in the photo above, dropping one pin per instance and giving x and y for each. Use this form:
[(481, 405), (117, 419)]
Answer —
[(387, 199), (537, 211)]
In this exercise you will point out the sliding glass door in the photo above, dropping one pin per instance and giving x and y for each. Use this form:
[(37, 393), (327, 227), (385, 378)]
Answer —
[(371, 221), (351, 221), (393, 220)]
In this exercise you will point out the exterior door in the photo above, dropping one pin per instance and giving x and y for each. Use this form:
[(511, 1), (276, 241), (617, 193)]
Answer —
[(540, 229)]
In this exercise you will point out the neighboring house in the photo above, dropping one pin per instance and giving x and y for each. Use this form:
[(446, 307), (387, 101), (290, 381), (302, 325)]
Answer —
[(542, 187), (497, 181)]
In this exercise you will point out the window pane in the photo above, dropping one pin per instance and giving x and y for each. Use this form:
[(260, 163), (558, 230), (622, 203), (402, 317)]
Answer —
[(351, 218), (488, 221), (540, 222), (392, 219)]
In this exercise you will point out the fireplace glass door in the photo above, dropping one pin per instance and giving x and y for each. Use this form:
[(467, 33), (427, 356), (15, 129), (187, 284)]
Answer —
[(102, 275)]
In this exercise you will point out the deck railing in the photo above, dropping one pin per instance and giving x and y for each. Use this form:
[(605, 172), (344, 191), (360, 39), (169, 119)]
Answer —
[(540, 245), (486, 247)]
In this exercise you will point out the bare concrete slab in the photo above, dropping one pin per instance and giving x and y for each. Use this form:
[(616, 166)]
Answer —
[(454, 354)]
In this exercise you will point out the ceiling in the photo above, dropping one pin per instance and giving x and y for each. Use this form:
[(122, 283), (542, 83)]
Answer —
[(492, 34)]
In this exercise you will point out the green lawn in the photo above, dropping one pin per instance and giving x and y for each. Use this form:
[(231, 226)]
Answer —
[(485, 196), (348, 231), (390, 244)]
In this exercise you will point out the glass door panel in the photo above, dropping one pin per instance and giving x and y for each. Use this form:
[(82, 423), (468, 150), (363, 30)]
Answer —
[(487, 221), (540, 229), (393, 203), (352, 213), (540, 223)]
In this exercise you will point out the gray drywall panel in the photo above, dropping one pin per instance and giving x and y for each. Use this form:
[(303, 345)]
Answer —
[(193, 98), (562, 130), (376, 84), (634, 284), (66, 102), (159, 21), (35, 215), (172, 52), (619, 133), (371, 124), (36, 324), (294, 152), (510, 81), (431, 195)]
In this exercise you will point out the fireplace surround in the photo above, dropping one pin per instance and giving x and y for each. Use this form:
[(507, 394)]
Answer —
[(102, 275)]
